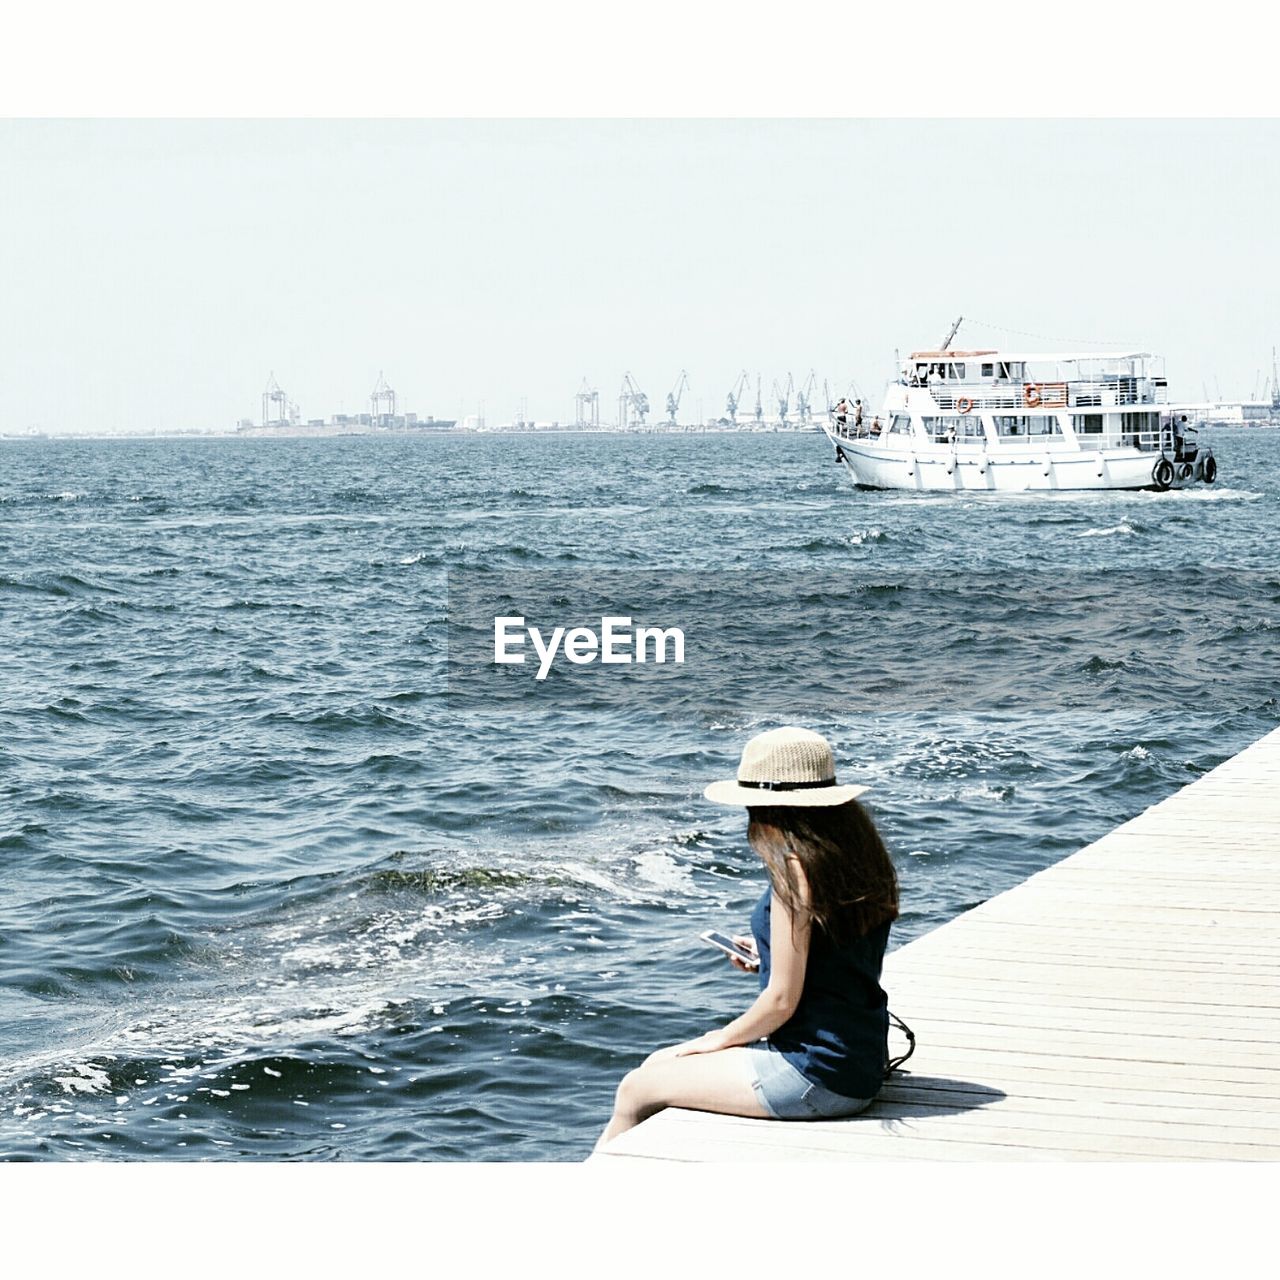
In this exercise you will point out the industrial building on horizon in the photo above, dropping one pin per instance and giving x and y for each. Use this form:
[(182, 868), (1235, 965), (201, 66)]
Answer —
[(281, 416)]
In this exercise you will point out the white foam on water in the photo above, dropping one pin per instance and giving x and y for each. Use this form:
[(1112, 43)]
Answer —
[(87, 1079), (416, 558), (1199, 493), (1137, 753), (1123, 527), (265, 990), (659, 868), (983, 792), (596, 879)]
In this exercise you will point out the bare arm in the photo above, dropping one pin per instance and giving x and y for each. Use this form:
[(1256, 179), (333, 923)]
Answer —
[(777, 1002)]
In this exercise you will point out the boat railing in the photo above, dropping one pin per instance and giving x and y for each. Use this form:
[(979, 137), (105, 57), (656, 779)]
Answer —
[(1053, 395), (867, 429), (1164, 439), (1118, 391), (1029, 395)]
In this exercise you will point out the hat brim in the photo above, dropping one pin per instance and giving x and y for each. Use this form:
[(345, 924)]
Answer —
[(730, 792)]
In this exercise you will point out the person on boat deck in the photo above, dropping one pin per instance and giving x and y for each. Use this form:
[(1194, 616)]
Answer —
[(842, 411), (875, 426), (814, 1043), (857, 413)]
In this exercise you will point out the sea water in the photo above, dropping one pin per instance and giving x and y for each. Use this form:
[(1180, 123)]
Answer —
[(284, 877)]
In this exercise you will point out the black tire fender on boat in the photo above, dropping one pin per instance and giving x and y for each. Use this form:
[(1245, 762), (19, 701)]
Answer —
[(1162, 474), (1210, 471), (839, 455), (1184, 471)]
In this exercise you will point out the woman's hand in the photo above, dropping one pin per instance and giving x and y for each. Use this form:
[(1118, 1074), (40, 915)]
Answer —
[(749, 944), (712, 1042)]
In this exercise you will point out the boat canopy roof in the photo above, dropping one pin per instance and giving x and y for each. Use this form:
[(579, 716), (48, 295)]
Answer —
[(950, 355), (1042, 357)]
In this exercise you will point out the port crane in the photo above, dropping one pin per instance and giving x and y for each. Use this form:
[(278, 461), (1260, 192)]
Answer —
[(804, 397), (783, 396), (275, 401), (673, 397), (735, 396), (382, 401), (587, 407), (1275, 384), (759, 414), (633, 404)]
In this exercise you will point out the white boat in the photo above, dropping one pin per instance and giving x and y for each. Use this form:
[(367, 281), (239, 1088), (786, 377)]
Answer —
[(1007, 421)]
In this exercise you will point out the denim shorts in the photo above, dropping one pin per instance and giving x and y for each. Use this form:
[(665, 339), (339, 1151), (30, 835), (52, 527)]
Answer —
[(786, 1095)]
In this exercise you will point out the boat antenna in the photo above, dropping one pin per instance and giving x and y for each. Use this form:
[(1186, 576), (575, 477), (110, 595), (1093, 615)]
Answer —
[(946, 342)]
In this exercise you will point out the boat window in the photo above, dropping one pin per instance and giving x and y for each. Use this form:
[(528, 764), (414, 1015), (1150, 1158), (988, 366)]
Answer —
[(1011, 369), (960, 426), (1044, 425), (1140, 429), (1021, 425), (955, 371), (900, 423), (1087, 423), (988, 370)]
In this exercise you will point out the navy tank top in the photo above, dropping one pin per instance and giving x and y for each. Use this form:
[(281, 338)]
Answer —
[(838, 1036)]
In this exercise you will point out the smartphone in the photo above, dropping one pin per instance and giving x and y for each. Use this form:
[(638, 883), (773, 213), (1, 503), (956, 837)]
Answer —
[(727, 945)]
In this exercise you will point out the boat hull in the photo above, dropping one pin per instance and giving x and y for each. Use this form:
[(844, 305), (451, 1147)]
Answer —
[(887, 465)]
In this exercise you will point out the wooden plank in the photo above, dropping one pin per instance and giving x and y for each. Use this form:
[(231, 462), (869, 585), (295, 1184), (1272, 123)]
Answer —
[(1028, 1091), (1025, 1073), (934, 1002), (1105, 1046), (983, 1061), (1116, 952), (1218, 1000), (1121, 1005)]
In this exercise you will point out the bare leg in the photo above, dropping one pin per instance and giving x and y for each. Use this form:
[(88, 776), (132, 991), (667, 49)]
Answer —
[(718, 1082)]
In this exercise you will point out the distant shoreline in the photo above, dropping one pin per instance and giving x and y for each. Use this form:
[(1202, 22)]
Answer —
[(464, 433), (452, 434)]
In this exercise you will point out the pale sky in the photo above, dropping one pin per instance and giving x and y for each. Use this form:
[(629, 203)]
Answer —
[(155, 273)]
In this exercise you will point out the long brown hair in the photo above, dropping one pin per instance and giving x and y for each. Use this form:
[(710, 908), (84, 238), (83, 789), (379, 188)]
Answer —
[(853, 886)]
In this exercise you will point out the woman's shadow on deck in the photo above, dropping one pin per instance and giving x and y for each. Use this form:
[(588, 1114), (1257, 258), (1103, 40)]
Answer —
[(907, 1096)]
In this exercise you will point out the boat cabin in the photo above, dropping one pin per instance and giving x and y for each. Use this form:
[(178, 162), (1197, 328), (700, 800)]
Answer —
[(1000, 398)]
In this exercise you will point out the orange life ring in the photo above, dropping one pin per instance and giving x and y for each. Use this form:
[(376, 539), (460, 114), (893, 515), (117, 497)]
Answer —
[(1031, 395), (964, 405)]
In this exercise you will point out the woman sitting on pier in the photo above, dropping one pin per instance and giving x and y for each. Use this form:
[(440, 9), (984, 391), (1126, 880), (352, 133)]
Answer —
[(814, 1044)]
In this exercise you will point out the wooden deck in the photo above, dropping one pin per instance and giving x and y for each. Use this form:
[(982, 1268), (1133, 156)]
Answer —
[(1121, 1005)]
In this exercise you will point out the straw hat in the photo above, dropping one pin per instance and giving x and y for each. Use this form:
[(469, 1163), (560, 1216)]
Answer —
[(787, 766)]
